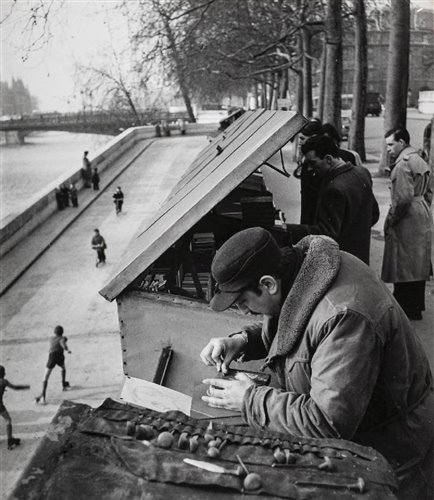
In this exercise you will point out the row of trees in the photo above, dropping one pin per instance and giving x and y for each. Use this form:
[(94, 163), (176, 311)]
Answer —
[(215, 47), (210, 48), (16, 99)]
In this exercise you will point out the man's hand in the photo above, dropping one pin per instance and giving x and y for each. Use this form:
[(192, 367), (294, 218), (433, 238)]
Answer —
[(220, 352), (228, 394)]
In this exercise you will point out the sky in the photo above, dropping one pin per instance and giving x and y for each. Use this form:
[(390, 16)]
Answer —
[(79, 30)]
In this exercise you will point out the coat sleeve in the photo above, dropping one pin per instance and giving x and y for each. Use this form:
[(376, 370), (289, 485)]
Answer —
[(343, 371), (403, 192), (330, 216)]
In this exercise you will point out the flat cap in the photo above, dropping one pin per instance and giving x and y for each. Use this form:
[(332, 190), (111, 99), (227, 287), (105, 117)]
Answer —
[(240, 262)]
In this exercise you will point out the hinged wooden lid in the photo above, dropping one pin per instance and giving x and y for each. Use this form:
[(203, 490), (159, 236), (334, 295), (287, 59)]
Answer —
[(226, 162)]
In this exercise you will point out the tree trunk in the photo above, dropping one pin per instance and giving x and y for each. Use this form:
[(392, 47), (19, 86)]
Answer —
[(307, 73), (179, 70), (333, 78), (397, 73), (321, 86), (299, 73), (356, 139), (264, 93)]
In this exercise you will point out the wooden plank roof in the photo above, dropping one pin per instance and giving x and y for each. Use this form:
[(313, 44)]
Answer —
[(218, 169)]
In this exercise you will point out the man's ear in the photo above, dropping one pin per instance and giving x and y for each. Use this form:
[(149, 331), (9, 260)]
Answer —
[(270, 283)]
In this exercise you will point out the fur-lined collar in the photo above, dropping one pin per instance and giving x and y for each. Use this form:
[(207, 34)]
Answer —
[(318, 271)]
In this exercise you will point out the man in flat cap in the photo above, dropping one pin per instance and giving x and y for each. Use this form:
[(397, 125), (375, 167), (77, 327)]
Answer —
[(348, 363)]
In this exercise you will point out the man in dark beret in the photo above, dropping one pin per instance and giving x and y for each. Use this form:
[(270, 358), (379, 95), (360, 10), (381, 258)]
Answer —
[(343, 351)]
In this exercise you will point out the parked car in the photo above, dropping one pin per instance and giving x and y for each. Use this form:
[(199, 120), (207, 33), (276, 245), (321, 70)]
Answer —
[(373, 104)]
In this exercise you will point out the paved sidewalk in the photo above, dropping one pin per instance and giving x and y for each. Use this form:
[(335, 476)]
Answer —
[(61, 286), (16, 262)]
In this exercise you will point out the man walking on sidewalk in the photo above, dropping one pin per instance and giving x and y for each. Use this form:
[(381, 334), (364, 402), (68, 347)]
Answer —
[(55, 357), (118, 198), (99, 245)]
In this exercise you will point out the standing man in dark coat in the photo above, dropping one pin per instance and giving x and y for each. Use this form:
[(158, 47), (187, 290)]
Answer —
[(65, 195), (73, 195), (59, 198), (408, 226), (95, 179), (346, 206), (345, 356), (87, 172)]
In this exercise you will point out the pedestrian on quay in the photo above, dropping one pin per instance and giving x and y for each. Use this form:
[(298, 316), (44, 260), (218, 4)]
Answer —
[(346, 207), (99, 245), (59, 198), (4, 384), (65, 195), (86, 170), (95, 179), (345, 356), (408, 225), (118, 198), (57, 346), (73, 194)]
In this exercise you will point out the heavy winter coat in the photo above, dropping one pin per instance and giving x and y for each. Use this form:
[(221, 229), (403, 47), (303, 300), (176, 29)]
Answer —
[(347, 360), (408, 226), (346, 210)]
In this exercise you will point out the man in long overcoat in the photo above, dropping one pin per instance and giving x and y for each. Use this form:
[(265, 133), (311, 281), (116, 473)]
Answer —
[(408, 225)]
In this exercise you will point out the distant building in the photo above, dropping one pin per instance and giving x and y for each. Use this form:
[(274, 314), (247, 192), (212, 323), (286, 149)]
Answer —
[(15, 98), (421, 74)]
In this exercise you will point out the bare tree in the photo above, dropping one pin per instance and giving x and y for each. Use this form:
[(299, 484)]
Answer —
[(333, 78), (356, 139), (397, 72)]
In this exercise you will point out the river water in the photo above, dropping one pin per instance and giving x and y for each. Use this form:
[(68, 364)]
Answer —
[(45, 157)]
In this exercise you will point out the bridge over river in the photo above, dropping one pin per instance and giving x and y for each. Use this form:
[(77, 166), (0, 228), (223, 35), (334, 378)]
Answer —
[(95, 122)]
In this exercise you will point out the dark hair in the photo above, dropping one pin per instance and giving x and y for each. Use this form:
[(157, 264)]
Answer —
[(58, 330), (331, 131), (398, 134), (313, 127), (2, 371), (96, 230), (322, 145)]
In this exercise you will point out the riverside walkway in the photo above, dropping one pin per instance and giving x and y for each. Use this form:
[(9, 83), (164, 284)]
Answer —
[(52, 279)]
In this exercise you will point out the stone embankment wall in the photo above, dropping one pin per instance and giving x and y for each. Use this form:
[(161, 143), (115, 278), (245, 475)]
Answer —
[(15, 228)]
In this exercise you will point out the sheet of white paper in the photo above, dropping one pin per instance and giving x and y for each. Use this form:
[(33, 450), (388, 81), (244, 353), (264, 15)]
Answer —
[(153, 396)]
